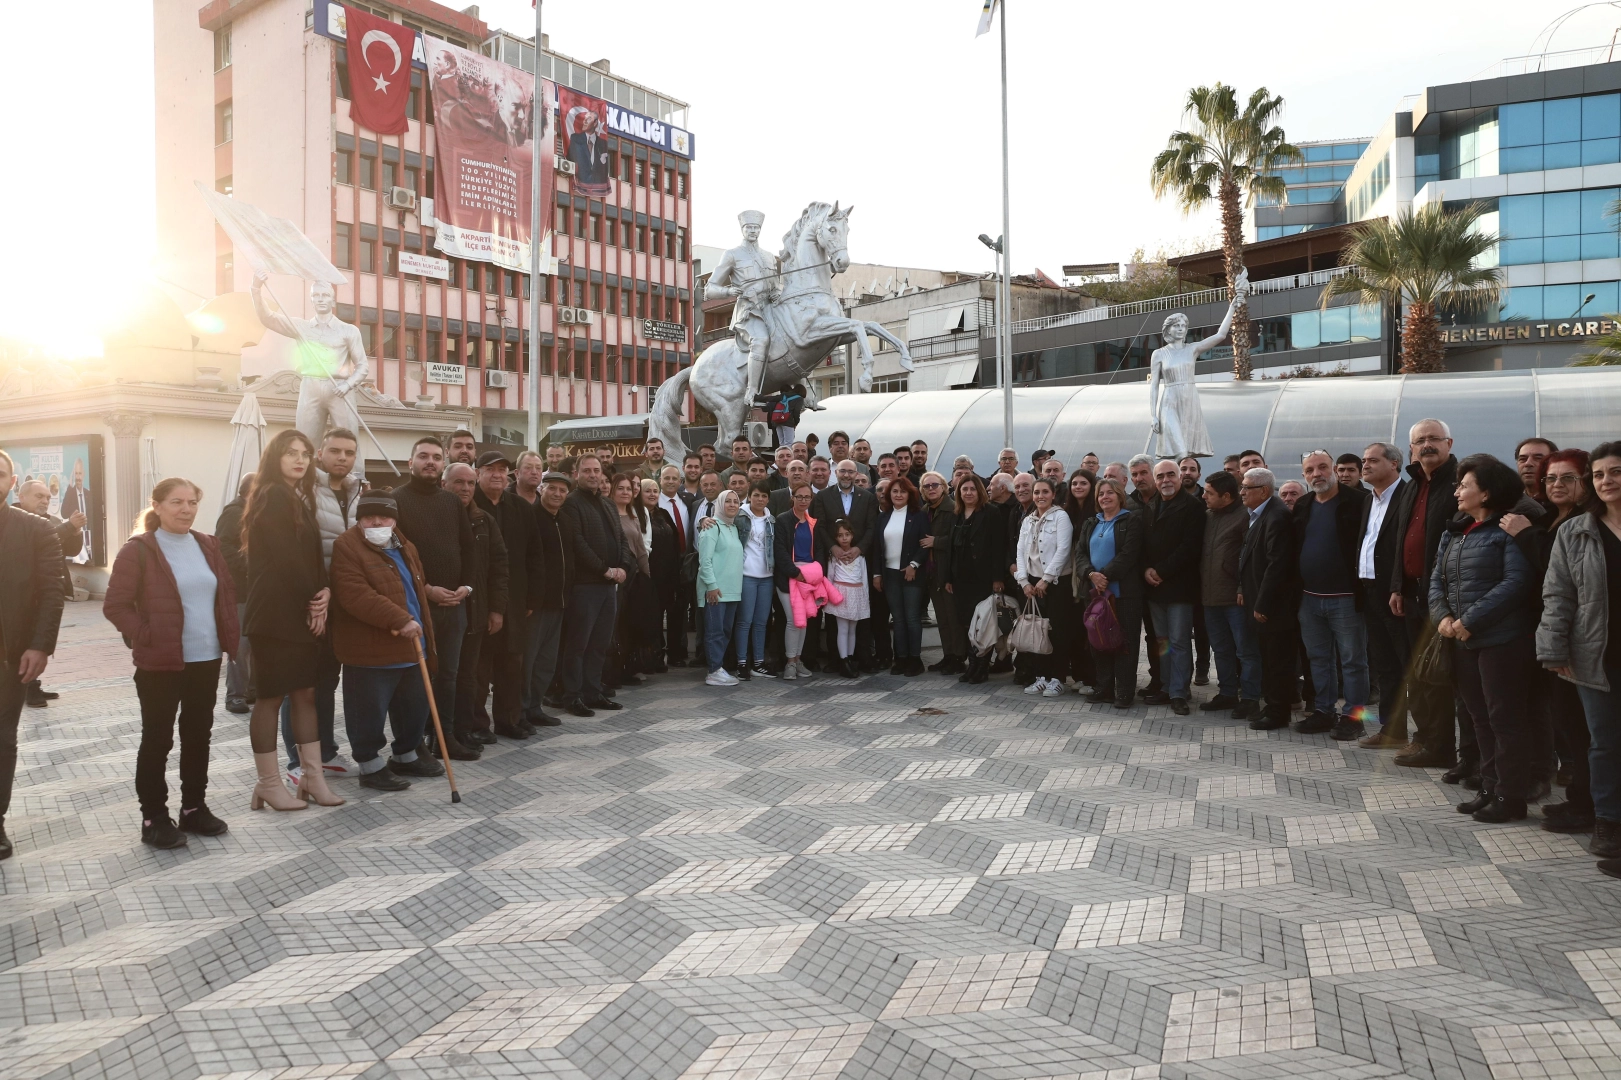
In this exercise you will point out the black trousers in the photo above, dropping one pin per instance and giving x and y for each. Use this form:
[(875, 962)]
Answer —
[(1495, 685), (1116, 672), (675, 623), (1562, 712), (500, 669), (191, 693), (1059, 608), (1201, 644), (1431, 707), (883, 647), (1279, 650), (1387, 655), (12, 692), (1153, 652)]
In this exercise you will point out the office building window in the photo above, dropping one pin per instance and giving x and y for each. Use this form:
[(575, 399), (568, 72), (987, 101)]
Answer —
[(389, 172), (367, 263), (342, 67), (342, 239), (579, 294), (641, 239), (1560, 134), (509, 284), (596, 297), (223, 124), (1558, 226), (624, 302), (413, 98), (596, 368), (1368, 192), (413, 179), (409, 339), (546, 360), (368, 338), (222, 48), (368, 172), (681, 185), (613, 301), (1537, 302), (596, 228), (654, 176), (472, 352), (491, 354), (1468, 144), (454, 281), (579, 361), (560, 221), (343, 167), (453, 351), (224, 273), (680, 245), (391, 260), (431, 347), (641, 305), (391, 342), (613, 365), (579, 224), (225, 185), (474, 274)]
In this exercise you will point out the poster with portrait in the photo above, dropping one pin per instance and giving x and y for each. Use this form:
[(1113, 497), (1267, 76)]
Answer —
[(70, 469), (584, 128), (485, 128)]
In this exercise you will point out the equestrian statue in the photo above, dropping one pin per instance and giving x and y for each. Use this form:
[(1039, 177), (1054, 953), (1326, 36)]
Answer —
[(786, 320)]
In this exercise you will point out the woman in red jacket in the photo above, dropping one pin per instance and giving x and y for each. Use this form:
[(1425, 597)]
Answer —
[(171, 594)]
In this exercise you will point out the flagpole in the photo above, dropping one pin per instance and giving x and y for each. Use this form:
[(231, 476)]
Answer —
[(537, 238), (1007, 261)]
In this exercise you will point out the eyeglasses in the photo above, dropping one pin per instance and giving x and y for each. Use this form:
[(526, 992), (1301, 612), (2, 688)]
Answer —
[(1428, 440), (1251, 487), (931, 484), (1561, 479)]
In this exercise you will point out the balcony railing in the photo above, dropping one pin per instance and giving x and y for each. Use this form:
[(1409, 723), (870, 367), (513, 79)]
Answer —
[(943, 346), (1170, 303), (1551, 61)]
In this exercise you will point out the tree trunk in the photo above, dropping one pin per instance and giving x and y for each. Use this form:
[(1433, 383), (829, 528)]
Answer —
[(1422, 351), (1232, 251)]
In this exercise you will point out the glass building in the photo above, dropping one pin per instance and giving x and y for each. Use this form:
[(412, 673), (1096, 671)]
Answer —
[(1318, 182)]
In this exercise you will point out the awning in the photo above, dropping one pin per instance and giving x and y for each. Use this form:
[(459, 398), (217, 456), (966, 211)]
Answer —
[(595, 429), (924, 324), (944, 374)]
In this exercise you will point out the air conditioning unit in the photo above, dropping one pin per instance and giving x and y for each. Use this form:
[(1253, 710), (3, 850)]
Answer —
[(500, 380), (402, 198), (565, 314), (583, 316), (565, 166), (758, 432)]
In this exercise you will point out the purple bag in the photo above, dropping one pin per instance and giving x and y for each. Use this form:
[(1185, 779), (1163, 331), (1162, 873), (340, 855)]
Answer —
[(1102, 625)]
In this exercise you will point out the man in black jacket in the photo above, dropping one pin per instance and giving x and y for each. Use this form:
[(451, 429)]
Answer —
[(1387, 633), (1171, 554), (501, 662), (1270, 585), (34, 496), (30, 613), (1426, 503), (546, 621), (845, 501), (436, 524), (228, 530), (1328, 538), (469, 729), (600, 557)]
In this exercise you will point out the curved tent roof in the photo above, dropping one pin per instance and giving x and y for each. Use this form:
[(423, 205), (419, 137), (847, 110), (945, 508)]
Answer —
[(1488, 412)]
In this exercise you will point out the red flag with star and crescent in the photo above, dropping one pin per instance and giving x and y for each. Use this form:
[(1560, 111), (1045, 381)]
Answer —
[(379, 71)]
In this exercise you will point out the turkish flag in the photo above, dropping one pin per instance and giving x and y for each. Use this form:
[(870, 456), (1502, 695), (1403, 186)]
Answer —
[(379, 71)]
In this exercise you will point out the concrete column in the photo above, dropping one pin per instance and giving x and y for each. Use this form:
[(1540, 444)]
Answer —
[(126, 428)]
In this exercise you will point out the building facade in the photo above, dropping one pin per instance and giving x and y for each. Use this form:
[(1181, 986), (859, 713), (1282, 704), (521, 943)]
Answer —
[(251, 98)]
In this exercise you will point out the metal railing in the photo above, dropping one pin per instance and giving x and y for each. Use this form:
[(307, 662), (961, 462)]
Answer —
[(1550, 61), (1170, 303), (942, 346)]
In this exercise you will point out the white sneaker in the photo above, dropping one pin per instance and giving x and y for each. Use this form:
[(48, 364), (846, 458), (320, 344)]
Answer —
[(1053, 689), (804, 672), (720, 677), (1037, 687), (294, 775), (340, 768)]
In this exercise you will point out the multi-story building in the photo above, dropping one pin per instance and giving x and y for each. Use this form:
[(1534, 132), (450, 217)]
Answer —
[(1316, 191), (251, 98)]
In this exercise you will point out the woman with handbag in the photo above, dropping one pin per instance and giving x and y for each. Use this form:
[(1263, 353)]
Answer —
[(635, 594), (1579, 637), (897, 560), (171, 594), (976, 560), (1108, 571), (1044, 559), (1480, 599)]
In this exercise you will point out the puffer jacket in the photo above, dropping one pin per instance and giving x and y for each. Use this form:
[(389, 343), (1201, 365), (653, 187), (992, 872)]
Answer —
[(1046, 542), (333, 517), (143, 601), (808, 592), (1218, 563), (1574, 631), (1483, 579)]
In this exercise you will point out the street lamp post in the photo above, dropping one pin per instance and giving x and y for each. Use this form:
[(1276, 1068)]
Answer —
[(537, 239)]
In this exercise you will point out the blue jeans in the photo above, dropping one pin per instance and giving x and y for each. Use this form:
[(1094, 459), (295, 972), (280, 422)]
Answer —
[(1238, 658), (591, 610), (326, 707), (540, 658), (1603, 709), (752, 613), (1330, 626), (718, 619), (906, 605), (372, 693), (1173, 635)]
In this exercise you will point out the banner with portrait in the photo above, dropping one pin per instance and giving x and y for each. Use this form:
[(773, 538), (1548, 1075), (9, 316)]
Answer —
[(71, 471), (485, 129), (584, 128)]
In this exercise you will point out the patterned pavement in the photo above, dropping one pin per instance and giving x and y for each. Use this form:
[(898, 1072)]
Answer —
[(856, 880)]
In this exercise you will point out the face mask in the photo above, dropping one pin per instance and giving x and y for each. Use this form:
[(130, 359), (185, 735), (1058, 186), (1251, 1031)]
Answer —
[(380, 536)]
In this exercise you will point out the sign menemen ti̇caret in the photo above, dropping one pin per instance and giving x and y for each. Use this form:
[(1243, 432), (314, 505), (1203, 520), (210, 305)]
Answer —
[(1507, 332)]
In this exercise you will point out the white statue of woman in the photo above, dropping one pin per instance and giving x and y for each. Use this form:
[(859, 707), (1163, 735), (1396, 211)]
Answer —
[(1173, 398)]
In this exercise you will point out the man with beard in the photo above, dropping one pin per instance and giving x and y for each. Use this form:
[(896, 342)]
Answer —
[(1328, 539), (463, 447)]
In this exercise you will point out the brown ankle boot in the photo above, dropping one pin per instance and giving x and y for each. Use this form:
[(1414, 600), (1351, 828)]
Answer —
[(271, 790), (312, 777)]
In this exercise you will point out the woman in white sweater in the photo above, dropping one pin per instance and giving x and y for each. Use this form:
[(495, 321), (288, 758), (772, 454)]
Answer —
[(1042, 567)]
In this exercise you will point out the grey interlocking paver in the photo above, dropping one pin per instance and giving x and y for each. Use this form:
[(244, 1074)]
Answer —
[(828, 880)]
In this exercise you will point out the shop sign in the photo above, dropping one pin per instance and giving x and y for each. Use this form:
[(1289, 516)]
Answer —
[(425, 265), (445, 374), (1494, 333), (659, 330)]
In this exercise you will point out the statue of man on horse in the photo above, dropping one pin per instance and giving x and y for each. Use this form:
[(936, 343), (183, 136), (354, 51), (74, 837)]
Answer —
[(786, 321)]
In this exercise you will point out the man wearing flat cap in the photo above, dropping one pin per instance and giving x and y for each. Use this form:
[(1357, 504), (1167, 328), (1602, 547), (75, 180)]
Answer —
[(379, 599), (751, 275)]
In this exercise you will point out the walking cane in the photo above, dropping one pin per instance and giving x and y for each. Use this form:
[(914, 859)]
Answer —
[(433, 708)]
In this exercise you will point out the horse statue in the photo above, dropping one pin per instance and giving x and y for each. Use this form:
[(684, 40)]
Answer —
[(807, 322)]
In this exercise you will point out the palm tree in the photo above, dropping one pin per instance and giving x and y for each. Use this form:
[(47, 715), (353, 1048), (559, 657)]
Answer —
[(1421, 262), (1228, 156)]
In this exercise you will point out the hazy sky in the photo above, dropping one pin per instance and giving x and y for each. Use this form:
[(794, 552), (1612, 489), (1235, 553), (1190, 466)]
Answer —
[(888, 104)]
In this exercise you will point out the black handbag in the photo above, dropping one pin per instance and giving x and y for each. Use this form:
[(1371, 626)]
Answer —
[(1433, 667), (689, 567)]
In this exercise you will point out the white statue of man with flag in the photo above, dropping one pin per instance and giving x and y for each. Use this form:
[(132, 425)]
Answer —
[(331, 359)]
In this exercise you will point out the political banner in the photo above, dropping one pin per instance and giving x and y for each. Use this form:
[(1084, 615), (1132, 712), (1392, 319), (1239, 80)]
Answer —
[(70, 469), (485, 130), (584, 142)]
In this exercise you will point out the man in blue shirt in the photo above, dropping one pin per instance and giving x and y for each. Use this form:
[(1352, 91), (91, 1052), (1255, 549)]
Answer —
[(1328, 529)]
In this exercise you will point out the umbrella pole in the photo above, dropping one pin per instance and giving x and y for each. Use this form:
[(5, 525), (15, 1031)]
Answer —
[(328, 376)]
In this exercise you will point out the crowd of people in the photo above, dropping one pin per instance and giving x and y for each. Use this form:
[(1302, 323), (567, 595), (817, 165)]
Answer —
[(1473, 602)]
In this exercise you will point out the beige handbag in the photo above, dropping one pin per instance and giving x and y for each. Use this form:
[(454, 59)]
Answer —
[(1032, 633)]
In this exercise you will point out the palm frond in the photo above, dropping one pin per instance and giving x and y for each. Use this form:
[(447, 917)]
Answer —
[(1602, 351), (1427, 256)]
